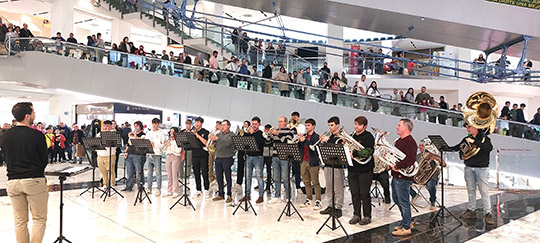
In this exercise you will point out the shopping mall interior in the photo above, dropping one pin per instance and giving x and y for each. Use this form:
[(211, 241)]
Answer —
[(294, 65)]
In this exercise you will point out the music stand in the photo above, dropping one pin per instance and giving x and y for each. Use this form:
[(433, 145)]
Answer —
[(335, 155), (111, 140), (289, 152), (186, 140), (245, 144), (142, 147), (92, 144), (442, 146)]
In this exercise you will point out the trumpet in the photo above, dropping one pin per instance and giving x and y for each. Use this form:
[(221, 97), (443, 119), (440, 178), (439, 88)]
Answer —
[(296, 139), (210, 142), (325, 134), (266, 135)]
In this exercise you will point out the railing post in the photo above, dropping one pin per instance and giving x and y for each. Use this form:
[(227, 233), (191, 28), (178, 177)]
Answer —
[(167, 23), (121, 9), (140, 10), (153, 14), (222, 41), (205, 33), (9, 46), (182, 33), (497, 159)]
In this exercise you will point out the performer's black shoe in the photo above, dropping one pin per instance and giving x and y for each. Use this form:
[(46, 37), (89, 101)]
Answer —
[(327, 210)]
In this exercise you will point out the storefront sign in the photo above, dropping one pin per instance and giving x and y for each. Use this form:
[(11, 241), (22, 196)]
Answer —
[(535, 4), (99, 108)]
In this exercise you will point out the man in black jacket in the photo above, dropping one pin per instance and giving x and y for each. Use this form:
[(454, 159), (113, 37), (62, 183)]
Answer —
[(25, 151), (310, 166), (360, 175), (477, 172), (25, 32), (267, 74), (505, 111)]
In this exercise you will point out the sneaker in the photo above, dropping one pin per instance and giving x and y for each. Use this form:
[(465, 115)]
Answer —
[(402, 232), (126, 190), (148, 190), (260, 200), (366, 220), (489, 219), (256, 188), (306, 204), (175, 195), (338, 213), (317, 205), (168, 194), (433, 207), (354, 220), (327, 210), (399, 227), (469, 214), (208, 193), (299, 191), (158, 192), (387, 200), (198, 194), (274, 201), (218, 198), (229, 199)]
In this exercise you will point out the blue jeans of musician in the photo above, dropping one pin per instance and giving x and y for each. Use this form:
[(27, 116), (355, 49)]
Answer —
[(134, 163), (400, 194), (475, 176), (280, 168), (154, 162), (255, 162), (431, 186)]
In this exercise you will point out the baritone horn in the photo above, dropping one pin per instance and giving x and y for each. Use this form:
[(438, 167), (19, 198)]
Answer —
[(389, 154)]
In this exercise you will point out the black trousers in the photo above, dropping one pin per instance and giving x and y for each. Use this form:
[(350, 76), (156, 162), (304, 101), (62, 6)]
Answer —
[(297, 173), (383, 178), (200, 165), (223, 166), (268, 164), (240, 168), (360, 183)]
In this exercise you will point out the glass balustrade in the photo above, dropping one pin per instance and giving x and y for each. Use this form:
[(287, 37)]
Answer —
[(384, 105)]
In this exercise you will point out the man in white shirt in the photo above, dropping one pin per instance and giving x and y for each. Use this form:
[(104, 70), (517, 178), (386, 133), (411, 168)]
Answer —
[(157, 137), (103, 159), (360, 88), (232, 67)]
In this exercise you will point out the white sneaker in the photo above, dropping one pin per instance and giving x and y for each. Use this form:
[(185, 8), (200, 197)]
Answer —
[(168, 194), (198, 194), (317, 205), (149, 190), (208, 193), (175, 195), (274, 201), (299, 192), (306, 204), (283, 191), (158, 192)]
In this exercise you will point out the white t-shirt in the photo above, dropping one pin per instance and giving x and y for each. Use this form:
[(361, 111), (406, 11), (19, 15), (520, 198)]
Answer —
[(157, 138)]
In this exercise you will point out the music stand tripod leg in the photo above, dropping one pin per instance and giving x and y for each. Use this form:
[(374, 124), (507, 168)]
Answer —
[(247, 202), (109, 187), (93, 182), (61, 236), (287, 209), (332, 213)]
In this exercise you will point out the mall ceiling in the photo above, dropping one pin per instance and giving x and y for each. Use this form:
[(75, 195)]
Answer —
[(354, 16)]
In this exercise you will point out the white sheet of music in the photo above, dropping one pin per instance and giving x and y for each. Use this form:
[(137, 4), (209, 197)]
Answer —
[(348, 155)]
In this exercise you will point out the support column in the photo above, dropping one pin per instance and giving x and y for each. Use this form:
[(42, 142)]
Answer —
[(62, 107), (62, 17), (119, 30), (334, 56)]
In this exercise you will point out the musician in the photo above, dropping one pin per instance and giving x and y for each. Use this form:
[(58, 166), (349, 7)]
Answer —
[(401, 184), (103, 159), (157, 137), (360, 176), (267, 156), (172, 163), (339, 172), (384, 179), (224, 159), (431, 185), (241, 158), (296, 170), (212, 156), (280, 167), (188, 154), (25, 152), (255, 160), (200, 157), (134, 162), (310, 165), (477, 172)]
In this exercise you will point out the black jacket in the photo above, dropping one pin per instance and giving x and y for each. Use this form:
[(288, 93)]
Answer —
[(481, 159), (367, 140), (267, 72), (25, 33), (520, 117), (69, 139), (505, 112), (313, 156)]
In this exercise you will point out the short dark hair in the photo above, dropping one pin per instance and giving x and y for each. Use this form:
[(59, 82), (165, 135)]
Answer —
[(139, 123), (295, 113), (311, 121), (215, 52), (156, 120), (441, 97), (522, 105), (220, 121), (361, 120), (21, 109), (334, 119), (256, 118), (58, 33), (268, 126), (107, 122), (226, 121), (189, 121), (199, 119), (507, 102)]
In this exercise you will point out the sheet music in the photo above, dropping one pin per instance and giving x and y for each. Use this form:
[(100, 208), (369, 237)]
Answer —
[(348, 155)]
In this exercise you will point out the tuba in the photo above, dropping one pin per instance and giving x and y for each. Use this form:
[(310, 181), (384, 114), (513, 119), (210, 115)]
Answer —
[(426, 170), (480, 112), (349, 142), (389, 154)]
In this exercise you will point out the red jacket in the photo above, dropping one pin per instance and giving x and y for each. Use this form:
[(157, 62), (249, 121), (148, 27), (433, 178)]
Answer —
[(61, 141)]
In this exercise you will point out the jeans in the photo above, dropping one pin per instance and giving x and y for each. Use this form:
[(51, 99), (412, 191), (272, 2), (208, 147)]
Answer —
[(474, 177), (223, 166), (257, 163), (280, 172), (200, 168), (431, 186), (400, 194), (69, 151), (154, 162), (134, 163)]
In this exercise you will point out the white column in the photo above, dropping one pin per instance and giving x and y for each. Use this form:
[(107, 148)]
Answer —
[(334, 56), (62, 107), (62, 17), (119, 30)]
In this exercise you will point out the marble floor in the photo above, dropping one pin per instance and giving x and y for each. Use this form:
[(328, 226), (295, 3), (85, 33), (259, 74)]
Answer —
[(116, 220)]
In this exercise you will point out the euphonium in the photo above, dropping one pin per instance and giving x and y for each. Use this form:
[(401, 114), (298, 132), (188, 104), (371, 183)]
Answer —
[(426, 169), (352, 145), (391, 155), (210, 146), (480, 111)]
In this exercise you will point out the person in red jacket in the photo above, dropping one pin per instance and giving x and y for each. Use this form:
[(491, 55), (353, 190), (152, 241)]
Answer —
[(58, 146), (401, 184)]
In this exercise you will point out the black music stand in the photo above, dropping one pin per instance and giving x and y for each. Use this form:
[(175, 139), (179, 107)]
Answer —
[(289, 152), (142, 147), (245, 144), (333, 154), (442, 146), (92, 144), (186, 140), (111, 140), (62, 176)]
